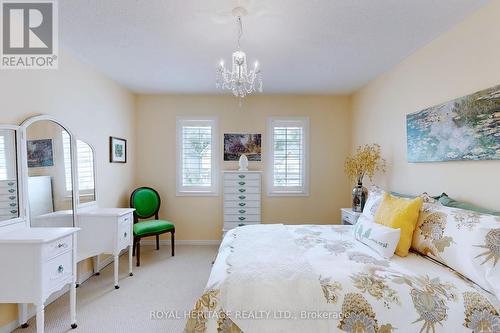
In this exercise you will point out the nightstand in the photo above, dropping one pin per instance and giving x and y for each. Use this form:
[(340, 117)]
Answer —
[(348, 216)]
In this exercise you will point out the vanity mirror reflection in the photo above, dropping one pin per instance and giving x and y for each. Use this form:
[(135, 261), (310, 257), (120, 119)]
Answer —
[(9, 199), (50, 177), (86, 173)]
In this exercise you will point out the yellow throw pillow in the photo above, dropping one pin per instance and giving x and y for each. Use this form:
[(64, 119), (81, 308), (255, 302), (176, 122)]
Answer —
[(399, 213)]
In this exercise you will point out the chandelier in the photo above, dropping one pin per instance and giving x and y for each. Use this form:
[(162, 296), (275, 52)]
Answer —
[(239, 79)]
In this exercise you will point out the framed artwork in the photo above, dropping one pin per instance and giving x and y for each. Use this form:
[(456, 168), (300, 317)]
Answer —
[(237, 144), (40, 153), (467, 128), (117, 150)]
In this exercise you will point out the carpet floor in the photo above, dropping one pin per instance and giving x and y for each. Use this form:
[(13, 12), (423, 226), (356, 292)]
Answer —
[(162, 283)]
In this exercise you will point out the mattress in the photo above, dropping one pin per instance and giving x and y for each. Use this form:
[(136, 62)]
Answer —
[(318, 278)]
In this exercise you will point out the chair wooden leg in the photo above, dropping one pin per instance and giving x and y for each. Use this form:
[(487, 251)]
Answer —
[(133, 247), (172, 236), (157, 242), (138, 252)]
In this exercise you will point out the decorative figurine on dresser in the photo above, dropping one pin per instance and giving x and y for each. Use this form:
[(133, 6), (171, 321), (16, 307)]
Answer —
[(242, 194)]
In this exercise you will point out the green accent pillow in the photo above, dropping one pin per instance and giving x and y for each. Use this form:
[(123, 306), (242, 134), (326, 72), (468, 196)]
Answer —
[(445, 200), (401, 195), (146, 202), (155, 226)]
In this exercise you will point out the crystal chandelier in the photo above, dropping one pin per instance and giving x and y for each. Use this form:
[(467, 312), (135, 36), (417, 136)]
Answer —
[(239, 79)]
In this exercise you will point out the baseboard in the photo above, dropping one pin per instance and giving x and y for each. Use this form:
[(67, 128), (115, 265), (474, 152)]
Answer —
[(10, 327), (181, 242)]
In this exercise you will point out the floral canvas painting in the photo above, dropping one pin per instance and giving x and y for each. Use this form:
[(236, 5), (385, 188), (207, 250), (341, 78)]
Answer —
[(237, 144), (40, 153), (467, 128)]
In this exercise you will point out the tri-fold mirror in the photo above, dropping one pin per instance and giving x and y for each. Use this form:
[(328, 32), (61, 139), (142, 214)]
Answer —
[(54, 162), (55, 167)]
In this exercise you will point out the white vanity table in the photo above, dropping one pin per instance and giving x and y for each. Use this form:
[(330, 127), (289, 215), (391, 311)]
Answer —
[(36, 262), (106, 230), (102, 231)]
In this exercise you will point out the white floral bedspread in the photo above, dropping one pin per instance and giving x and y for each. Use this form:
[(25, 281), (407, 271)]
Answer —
[(361, 292)]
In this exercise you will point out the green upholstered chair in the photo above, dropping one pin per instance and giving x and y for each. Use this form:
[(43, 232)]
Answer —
[(146, 202)]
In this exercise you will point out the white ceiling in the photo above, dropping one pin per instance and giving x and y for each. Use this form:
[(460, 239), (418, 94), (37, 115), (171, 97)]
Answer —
[(303, 46)]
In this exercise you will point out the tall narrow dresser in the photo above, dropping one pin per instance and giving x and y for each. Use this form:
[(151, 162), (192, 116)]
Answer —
[(242, 196)]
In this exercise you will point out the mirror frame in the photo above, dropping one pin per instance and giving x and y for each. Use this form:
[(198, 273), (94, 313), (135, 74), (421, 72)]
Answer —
[(24, 167), (93, 202), (22, 218)]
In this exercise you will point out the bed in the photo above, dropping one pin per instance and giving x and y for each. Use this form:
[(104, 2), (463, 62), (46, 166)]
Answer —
[(318, 278)]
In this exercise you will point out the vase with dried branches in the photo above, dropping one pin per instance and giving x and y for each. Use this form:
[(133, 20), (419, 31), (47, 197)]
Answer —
[(367, 161)]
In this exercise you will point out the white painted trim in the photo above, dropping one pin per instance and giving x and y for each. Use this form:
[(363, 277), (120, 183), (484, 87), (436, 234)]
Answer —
[(271, 191), (200, 192), (181, 242), (10, 327)]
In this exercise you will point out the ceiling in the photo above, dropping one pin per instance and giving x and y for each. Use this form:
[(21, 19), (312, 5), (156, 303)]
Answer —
[(303, 46)]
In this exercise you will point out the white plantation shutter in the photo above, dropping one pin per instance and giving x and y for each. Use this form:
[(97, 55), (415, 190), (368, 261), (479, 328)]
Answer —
[(288, 156), (66, 141), (85, 166), (85, 163), (196, 144)]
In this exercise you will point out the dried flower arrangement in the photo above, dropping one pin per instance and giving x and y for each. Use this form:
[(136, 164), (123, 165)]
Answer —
[(365, 162)]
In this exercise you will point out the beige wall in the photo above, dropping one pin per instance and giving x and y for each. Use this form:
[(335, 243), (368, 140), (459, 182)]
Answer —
[(91, 106), (200, 218), (461, 61)]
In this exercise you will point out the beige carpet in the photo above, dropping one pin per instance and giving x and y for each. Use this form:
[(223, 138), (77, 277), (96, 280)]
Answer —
[(162, 283)]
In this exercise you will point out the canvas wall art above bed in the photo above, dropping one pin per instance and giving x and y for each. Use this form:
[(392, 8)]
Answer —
[(467, 128)]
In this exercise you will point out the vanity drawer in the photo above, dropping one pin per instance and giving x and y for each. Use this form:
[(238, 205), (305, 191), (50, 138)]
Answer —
[(126, 218), (57, 247), (242, 190), (242, 204), (124, 231), (242, 218), (241, 176), (242, 211), (57, 271), (242, 197)]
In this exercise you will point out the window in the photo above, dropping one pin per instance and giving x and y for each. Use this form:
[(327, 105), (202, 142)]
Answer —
[(66, 141), (85, 164), (196, 156), (288, 156)]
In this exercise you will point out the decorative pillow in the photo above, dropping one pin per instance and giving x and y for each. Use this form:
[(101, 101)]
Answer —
[(400, 213), (375, 195), (425, 196), (380, 238), (445, 200), (463, 240)]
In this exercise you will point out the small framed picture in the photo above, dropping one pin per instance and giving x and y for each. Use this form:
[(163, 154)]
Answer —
[(117, 150)]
